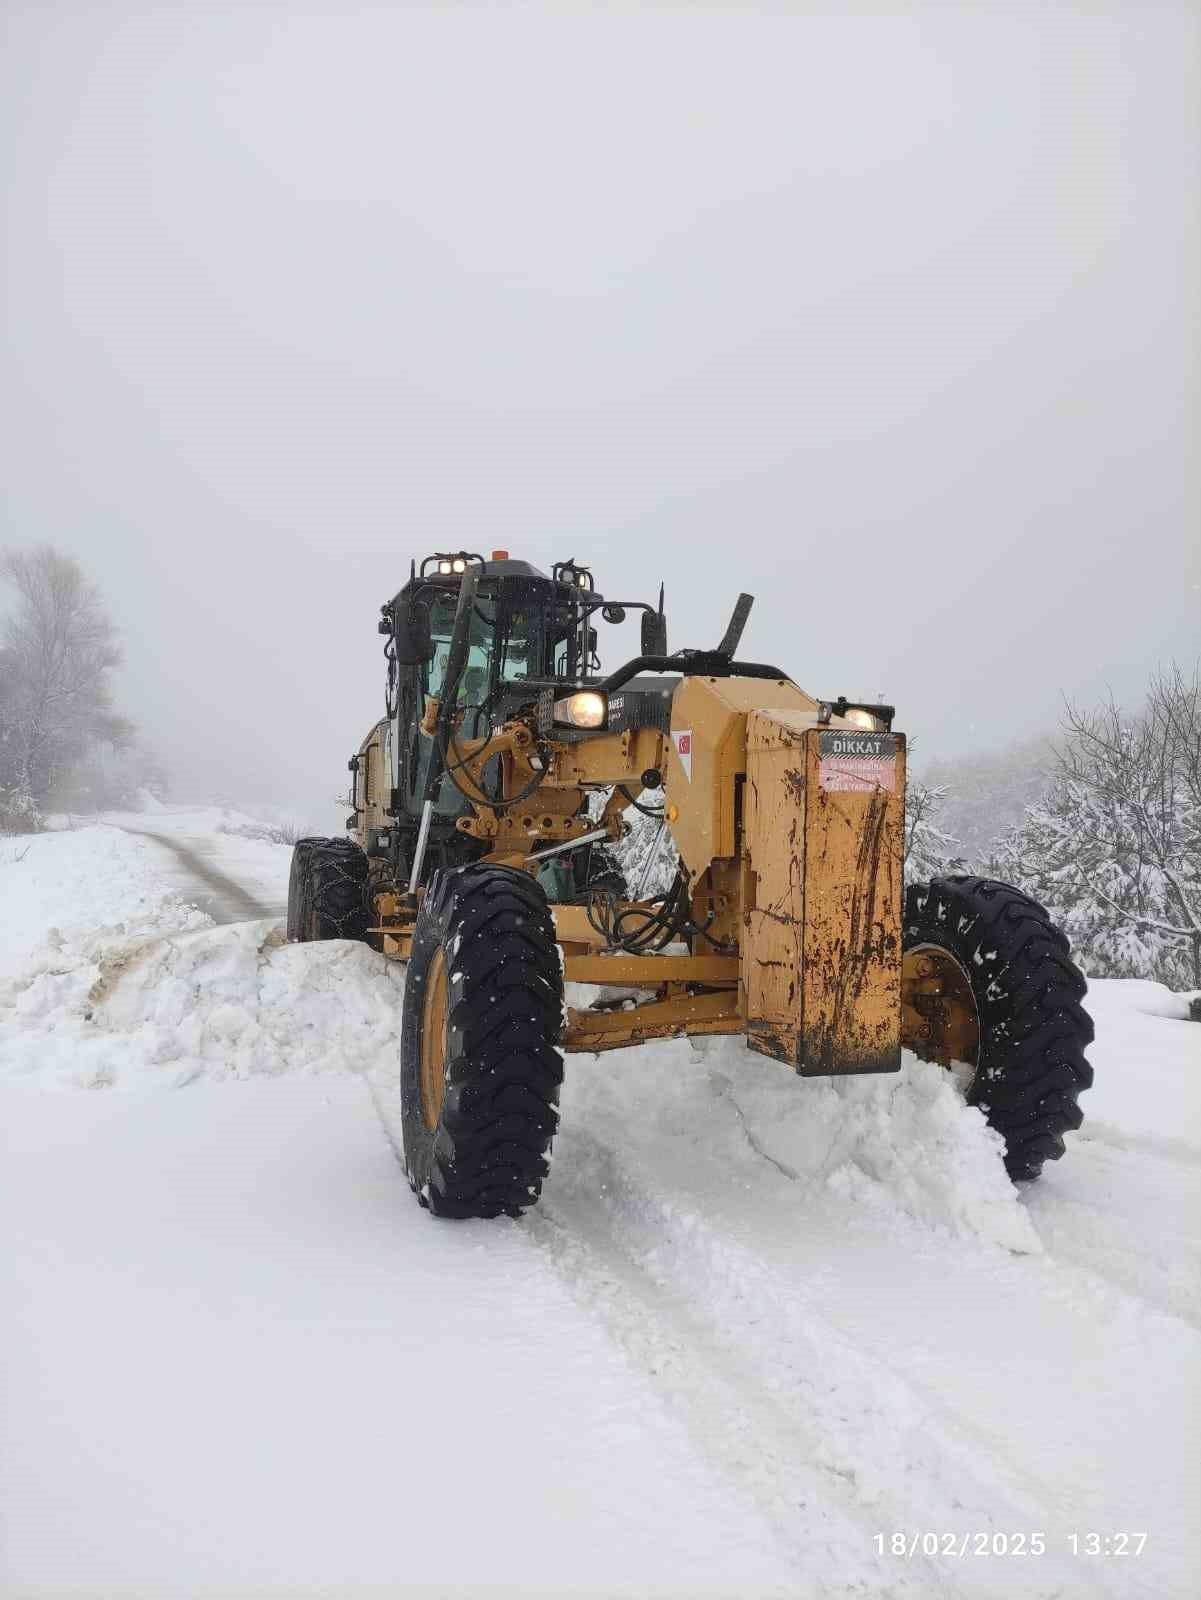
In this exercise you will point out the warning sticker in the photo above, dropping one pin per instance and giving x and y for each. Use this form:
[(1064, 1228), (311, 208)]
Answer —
[(683, 743), (857, 761)]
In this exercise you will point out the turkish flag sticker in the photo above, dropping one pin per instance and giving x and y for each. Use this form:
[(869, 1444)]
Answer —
[(683, 744)]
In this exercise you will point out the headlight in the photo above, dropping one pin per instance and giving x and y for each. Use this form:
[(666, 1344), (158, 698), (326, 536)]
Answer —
[(858, 718), (584, 710)]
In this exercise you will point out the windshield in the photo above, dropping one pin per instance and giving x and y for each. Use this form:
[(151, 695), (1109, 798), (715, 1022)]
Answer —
[(502, 646)]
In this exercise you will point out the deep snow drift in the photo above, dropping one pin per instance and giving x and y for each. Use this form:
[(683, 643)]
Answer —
[(756, 1322)]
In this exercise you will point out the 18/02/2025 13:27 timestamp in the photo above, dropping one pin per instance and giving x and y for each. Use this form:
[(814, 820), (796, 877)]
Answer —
[(907, 1545)]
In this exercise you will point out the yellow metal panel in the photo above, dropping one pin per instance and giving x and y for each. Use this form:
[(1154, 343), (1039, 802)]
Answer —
[(773, 904), (706, 754), (370, 783), (607, 758), (572, 926), (821, 960), (851, 964), (649, 971), (669, 1018)]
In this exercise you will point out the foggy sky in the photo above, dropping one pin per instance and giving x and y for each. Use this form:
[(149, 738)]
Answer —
[(891, 321)]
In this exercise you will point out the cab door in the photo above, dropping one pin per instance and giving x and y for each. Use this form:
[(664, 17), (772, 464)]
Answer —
[(417, 685)]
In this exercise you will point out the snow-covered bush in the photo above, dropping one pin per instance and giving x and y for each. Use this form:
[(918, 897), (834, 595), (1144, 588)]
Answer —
[(268, 832)]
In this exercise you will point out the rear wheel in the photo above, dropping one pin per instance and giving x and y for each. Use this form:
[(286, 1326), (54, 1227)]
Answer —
[(327, 891), (300, 889), (480, 1066), (988, 981)]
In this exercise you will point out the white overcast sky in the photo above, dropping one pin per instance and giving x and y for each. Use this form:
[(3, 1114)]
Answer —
[(891, 320)]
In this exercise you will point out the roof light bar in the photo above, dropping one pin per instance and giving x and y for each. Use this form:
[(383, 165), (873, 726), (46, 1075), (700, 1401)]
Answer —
[(450, 563)]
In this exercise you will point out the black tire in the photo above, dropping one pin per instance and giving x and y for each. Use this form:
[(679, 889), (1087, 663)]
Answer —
[(327, 891), (300, 890), (1030, 1064), (483, 1152)]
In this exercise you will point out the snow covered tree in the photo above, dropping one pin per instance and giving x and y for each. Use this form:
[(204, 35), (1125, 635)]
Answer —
[(648, 845), (986, 792), (1114, 846), (929, 852), (58, 652), (644, 841), (111, 778)]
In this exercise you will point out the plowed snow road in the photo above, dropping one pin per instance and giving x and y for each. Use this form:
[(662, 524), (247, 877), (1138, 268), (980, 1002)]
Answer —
[(755, 1324), (197, 865), (192, 869)]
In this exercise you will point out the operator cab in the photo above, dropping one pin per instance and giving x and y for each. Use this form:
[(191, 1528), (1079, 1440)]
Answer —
[(528, 634)]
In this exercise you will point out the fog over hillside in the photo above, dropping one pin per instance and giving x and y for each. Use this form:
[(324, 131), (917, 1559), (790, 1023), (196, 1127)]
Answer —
[(986, 792)]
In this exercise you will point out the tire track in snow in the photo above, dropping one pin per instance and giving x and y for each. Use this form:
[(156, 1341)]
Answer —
[(1157, 1145), (781, 1399), (1080, 1214), (732, 1421), (735, 1420), (834, 1437), (217, 894)]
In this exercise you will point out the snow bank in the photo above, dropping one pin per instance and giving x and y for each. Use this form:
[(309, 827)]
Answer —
[(62, 895), (904, 1143), (111, 978), (1147, 1061), (225, 1002)]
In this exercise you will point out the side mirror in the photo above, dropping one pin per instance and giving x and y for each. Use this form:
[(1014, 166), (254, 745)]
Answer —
[(414, 642), (654, 633)]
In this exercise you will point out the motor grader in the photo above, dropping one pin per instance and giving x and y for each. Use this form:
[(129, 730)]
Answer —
[(487, 803)]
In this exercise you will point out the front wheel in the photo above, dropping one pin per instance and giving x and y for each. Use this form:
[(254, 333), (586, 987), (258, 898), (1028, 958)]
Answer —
[(480, 1066), (988, 981)]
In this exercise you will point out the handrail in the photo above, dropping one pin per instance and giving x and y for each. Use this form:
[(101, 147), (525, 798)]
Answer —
[(690, 664)]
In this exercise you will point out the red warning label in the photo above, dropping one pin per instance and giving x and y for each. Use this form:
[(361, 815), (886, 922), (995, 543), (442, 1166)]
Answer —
[(857, 761)]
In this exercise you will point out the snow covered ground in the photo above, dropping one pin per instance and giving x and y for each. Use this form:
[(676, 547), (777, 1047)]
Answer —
[(756, 1324)]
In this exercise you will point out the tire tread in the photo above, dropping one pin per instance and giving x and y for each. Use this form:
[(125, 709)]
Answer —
[(489, 1154), (1033, 1028)]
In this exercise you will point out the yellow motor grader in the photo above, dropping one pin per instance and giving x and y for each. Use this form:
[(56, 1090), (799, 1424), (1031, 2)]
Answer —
[(487, 805)]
